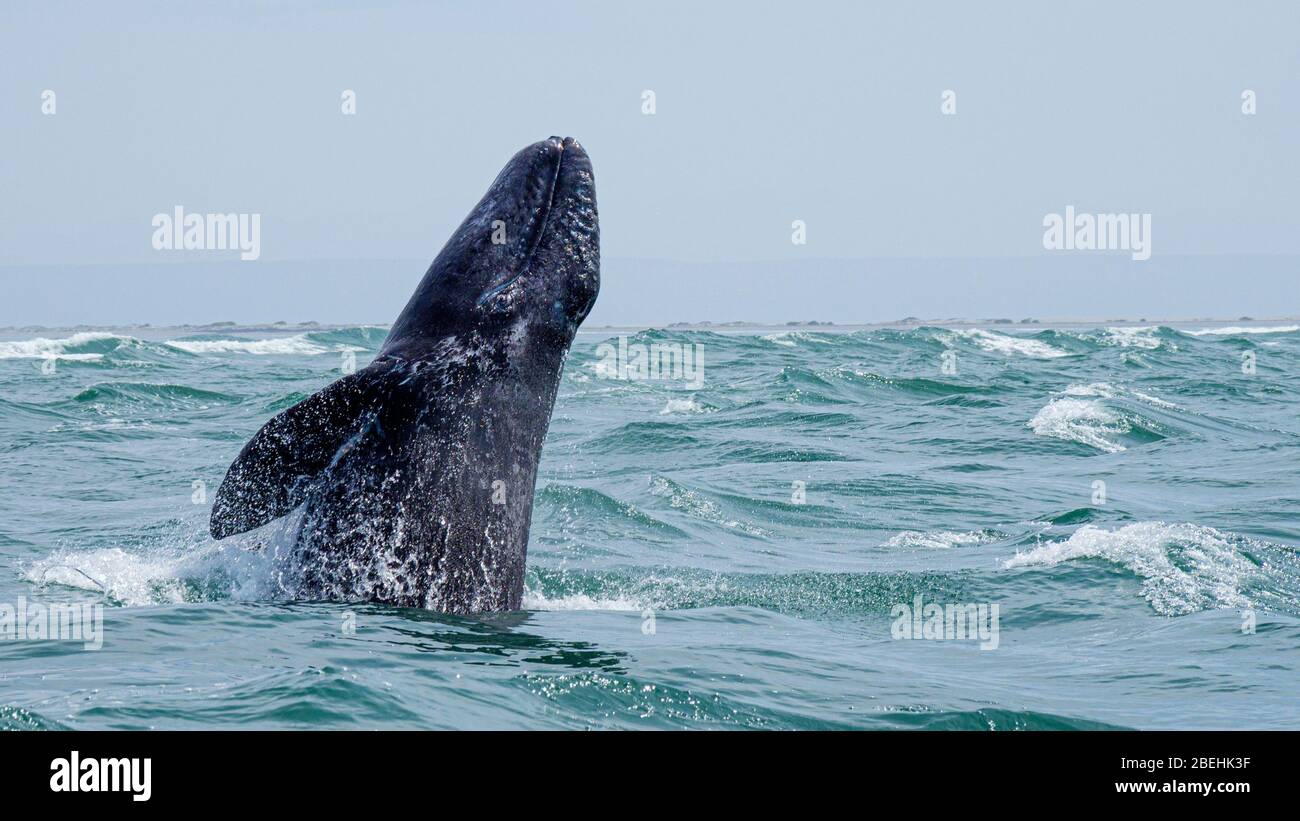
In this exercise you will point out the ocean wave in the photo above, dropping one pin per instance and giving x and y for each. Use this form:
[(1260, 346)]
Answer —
[(642, 437), (1076, 516), (1009, 345), (94, 346), (699, 506), (1105, 390), (1249, 329), (563, 508), (986, 719), (1140, 336), (1081, 414), (1085, 421), (359, 337), (683, 406), (801, 594), (1184, 568), (85, 346), (791, 339), (146, 393), (17, 718), (939, 539), (802, 386), (1155, 401), (299, 345), (919, 386)]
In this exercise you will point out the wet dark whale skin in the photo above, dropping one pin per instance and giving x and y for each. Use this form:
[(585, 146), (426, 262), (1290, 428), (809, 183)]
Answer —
[(416, 474)]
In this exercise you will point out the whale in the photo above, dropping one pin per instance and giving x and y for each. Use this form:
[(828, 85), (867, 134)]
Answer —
[(414, 476)]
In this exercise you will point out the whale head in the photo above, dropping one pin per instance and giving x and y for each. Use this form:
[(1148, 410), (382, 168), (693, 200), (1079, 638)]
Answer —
[(526, 259)]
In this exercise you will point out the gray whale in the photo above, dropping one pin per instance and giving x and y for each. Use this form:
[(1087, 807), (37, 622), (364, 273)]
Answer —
[(416, 474)]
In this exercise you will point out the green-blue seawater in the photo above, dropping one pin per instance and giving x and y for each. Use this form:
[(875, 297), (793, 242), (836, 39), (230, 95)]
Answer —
[(725, 557)]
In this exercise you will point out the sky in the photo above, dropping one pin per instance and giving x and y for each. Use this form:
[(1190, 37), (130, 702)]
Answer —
[(831, 114)]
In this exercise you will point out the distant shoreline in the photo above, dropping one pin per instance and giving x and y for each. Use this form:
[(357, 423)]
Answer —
[(720, 327)]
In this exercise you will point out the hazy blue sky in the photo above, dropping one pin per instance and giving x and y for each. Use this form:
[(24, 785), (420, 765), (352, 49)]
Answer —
[(766, 113)]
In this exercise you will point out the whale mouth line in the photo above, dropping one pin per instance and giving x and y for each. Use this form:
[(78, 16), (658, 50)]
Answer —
[(526, 265)]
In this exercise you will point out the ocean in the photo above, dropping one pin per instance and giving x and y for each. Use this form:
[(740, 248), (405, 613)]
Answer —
[(786, 535)]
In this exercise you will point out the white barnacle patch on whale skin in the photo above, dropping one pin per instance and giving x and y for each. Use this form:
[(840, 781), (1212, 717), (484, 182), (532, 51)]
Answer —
[(518, 335)]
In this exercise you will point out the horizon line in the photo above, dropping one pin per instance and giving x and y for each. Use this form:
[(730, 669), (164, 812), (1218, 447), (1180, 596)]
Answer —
[(908, 322)]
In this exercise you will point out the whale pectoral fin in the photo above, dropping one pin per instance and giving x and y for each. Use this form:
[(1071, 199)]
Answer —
[(273, 472)]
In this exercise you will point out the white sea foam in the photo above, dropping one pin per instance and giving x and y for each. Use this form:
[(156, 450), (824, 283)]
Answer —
[(1252, 329), (790, 339), (140, 577), (1078, 414), (43, 348), (1086, 421), (1138, 336), (1184, 567), (132, 579), (936, 539), (146, 577), (537, 600), (1154, 400), (1009, 345), (284, 346), (682, 406), (1103, 390)]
